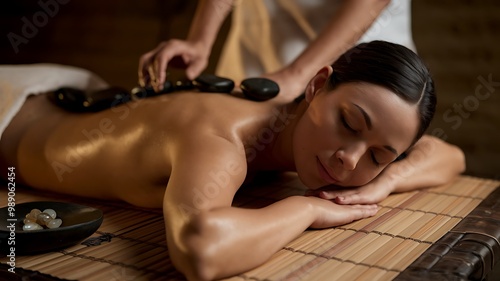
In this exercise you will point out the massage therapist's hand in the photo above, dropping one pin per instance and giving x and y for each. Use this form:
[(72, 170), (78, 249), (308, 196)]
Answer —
[(291, 83), (329, 214), (172, 53)]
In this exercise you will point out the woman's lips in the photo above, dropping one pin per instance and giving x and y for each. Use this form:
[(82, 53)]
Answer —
[(325, 175)]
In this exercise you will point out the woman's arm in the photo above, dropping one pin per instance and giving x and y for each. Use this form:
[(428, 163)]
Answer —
[(344, 29), (219, 236), (206, 236), (430, 162)]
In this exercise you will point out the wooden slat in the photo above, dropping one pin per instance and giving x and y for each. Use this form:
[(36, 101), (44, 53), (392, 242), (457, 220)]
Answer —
[(372, 249)]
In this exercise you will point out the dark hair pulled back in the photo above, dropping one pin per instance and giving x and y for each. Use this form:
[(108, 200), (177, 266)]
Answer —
[(391, 66)]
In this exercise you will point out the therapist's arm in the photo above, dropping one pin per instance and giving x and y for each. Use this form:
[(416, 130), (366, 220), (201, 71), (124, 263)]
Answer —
[(193, 52), (346, 27)]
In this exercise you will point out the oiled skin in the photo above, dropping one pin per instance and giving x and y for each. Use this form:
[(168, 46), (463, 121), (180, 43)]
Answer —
[(124, 152), (188, 153)]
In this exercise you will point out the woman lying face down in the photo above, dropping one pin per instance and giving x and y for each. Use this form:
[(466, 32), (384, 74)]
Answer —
[(349, 134), (357, 116)]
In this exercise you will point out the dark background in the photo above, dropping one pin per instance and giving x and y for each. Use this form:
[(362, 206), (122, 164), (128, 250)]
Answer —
[(459, 41)]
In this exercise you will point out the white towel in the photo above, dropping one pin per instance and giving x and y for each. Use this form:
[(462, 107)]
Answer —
[(19, 81)]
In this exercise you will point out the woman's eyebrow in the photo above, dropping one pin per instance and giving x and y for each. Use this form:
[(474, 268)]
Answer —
[(369, 126), (365, 115)]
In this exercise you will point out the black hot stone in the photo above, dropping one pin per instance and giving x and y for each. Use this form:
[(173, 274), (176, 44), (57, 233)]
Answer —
[(213, 84), (259, 89)]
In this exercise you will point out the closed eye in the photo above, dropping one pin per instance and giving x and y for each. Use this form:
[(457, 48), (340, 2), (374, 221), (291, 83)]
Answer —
[(349, 128), (346, 125), (374, 159)]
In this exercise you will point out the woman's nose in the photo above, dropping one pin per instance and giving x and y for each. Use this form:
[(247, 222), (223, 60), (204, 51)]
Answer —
[(349, 156)]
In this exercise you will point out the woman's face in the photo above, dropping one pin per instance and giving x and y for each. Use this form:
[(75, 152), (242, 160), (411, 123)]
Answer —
[(348, 135)]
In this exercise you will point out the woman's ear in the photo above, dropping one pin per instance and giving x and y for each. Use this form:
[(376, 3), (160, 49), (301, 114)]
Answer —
[(318, 82)]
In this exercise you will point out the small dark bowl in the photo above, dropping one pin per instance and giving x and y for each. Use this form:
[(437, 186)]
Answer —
[(78, 223)]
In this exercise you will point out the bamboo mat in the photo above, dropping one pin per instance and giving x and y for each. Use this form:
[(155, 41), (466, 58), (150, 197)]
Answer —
[(130, 244)]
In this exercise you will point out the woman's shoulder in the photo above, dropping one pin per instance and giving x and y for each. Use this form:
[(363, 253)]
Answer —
[(221, 114)]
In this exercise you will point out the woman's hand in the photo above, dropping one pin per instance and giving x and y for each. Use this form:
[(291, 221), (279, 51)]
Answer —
[(177, 53), (371, 193), (329, 213)]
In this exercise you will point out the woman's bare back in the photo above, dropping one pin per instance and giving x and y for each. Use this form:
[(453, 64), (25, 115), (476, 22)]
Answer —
[(125, 152)]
